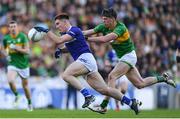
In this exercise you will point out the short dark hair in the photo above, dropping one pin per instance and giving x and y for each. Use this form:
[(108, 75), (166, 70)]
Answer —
[(13, 22), (110, 12), (61, 16)]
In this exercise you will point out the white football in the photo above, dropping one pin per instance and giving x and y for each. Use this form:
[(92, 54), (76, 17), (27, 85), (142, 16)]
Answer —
[(34, 35)]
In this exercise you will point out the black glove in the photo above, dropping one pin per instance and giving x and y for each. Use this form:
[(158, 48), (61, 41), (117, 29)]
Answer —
[(41, 27), (86, 37), (57, 53)]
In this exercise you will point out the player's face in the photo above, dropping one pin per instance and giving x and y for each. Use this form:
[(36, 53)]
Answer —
[(13, 28), (107, 21), (60, 25)]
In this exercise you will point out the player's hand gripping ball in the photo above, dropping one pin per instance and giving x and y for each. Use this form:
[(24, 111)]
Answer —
[(35, 35)]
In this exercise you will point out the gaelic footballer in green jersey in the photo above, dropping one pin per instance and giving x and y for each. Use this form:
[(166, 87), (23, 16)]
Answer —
[(123, 43), (118, 35), (16, 58), (16, 45)]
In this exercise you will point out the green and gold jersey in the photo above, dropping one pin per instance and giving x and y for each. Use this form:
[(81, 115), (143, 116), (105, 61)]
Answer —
[(123, 43), (17, 59)]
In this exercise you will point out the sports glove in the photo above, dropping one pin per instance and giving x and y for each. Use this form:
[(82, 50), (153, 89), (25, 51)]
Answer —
[(41, 27), (58, 53), (12, 46), (86, 37)]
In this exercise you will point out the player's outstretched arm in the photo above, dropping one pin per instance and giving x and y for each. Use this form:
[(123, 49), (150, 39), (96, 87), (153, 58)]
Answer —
[(88, 32), (103, 39), (58, 40)]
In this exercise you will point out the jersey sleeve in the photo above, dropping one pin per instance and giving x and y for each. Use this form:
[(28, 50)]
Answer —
[(119, 30), (99, 28), (73, 32)]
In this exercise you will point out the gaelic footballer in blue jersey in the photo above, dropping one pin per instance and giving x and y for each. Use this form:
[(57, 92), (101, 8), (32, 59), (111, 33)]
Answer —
[(84, 62)]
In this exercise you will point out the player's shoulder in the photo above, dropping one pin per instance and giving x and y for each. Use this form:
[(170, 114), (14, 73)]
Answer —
[(75, 30), (121, 24), (22, 34), (6, 37)]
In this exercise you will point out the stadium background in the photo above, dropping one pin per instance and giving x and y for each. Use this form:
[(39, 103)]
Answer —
[(155, 29)]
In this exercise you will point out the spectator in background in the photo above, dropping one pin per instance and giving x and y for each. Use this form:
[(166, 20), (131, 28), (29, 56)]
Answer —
[(71, 93), (178, 52)]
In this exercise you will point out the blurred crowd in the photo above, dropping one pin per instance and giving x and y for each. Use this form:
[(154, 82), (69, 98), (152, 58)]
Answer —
[(154, 26)]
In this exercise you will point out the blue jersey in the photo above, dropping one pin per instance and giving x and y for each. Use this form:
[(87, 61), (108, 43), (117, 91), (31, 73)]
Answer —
[(112, 57), (178, 44), (78, 45)]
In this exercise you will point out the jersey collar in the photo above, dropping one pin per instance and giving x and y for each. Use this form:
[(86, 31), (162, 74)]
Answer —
[(69, 28)]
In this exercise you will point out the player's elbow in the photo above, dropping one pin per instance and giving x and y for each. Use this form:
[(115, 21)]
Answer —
[(140, 86)]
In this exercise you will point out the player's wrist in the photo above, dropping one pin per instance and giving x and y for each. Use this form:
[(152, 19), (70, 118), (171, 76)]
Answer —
[(58, 53)]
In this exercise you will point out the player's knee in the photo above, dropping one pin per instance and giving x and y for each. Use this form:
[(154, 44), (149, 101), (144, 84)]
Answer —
[(123, 91), (10, 80), (25, 84), (139, 86), (65, 77)]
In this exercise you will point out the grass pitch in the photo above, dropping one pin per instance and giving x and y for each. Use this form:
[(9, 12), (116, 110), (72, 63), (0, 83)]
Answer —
[(56, 113)]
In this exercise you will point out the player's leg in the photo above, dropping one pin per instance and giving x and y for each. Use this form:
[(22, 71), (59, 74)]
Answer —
[(11, 76), (122, 67), (72, 71), (27, 94), (135, 77), (122, 86), (24, 74), (119, 70), (96, 81)]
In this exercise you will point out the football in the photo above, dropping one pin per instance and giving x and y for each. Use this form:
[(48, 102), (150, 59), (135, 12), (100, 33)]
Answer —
[(34, 35)]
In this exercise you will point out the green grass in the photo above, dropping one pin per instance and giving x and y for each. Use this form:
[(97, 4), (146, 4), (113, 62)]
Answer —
[(55, 113)]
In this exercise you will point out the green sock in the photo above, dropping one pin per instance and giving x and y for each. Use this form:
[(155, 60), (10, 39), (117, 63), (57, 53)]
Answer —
[(16, 93), (160, 78), (104, 103), (29, 101)]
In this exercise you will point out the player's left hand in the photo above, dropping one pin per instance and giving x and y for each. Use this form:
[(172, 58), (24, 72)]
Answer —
[(12, 46), (57, 53), (42, 27)]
